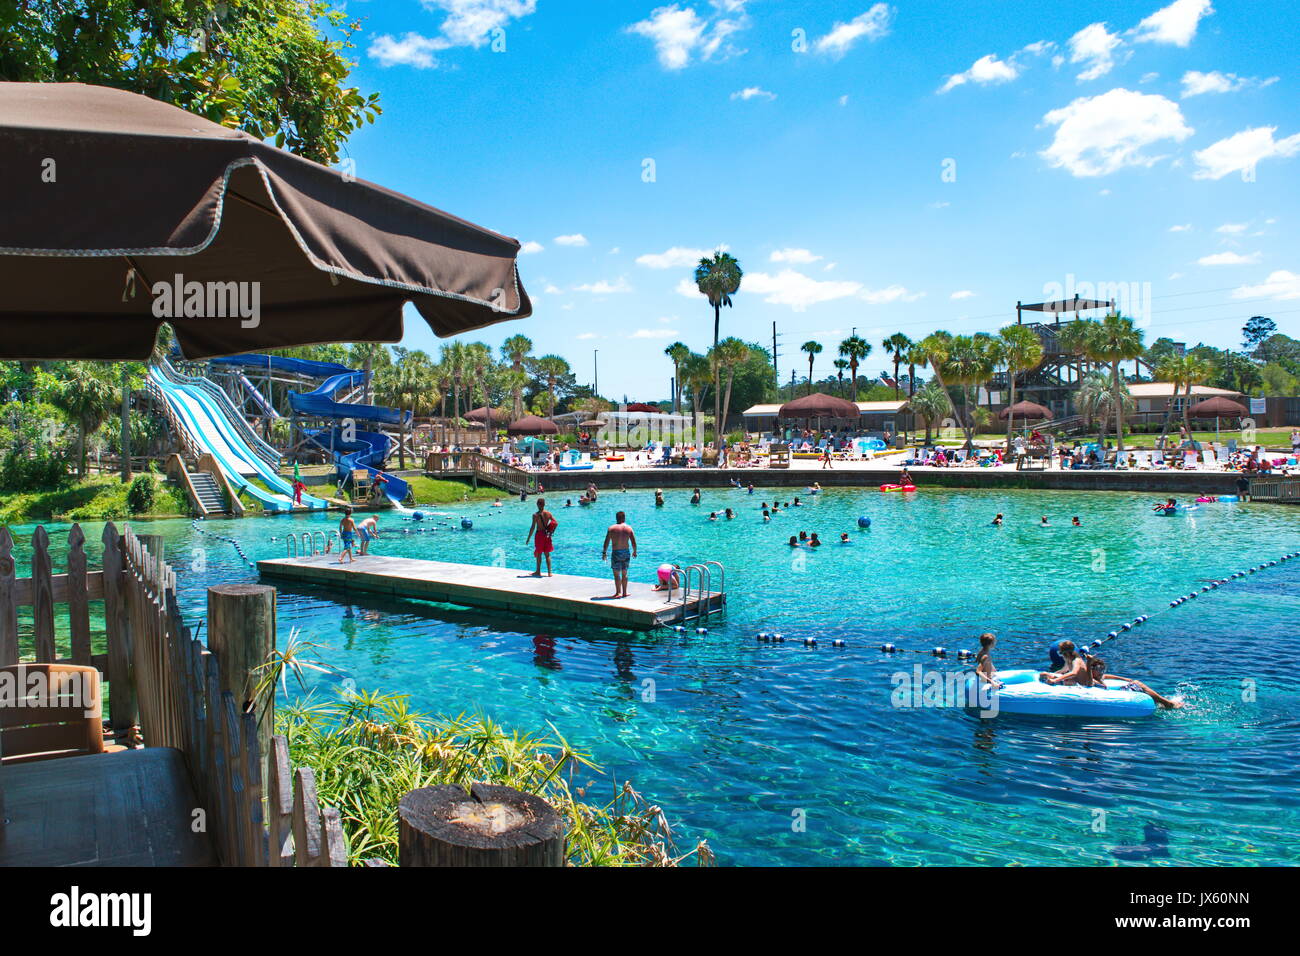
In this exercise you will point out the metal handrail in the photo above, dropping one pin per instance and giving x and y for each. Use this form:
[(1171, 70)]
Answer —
[(254, 441)]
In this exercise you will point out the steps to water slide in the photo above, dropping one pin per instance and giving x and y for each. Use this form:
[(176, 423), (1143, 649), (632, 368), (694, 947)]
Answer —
[(206, 491), (210, 425)]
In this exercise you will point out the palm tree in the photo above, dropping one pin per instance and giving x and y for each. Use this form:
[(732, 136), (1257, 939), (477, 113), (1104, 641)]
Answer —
[(87, 396), (970, 363), (1170, 369), (813, 349), (1020, 351), (1079, 338), (697, 373), (551, 368), (840, 365), (936, 347), (931, 402), (478, 366), (915, 357), (516, 350), (730, 354), (455, 357), (1117, 340), (1195, 371), (897, 345), (718, 279), (679, 353), (369, 355), (855, 349), (1093, 399)]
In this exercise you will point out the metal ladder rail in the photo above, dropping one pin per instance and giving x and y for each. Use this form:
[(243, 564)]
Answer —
[(702, 588), (722, 589)]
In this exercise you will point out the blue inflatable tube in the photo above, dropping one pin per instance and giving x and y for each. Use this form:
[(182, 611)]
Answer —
[(1023, 693)]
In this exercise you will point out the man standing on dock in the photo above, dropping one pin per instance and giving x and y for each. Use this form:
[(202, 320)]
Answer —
[(622, 539), (543, 526)]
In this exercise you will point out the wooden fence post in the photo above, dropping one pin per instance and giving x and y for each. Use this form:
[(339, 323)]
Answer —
[(241, 632), (489, 826), (8, 610), (121, 680), (43, 597)]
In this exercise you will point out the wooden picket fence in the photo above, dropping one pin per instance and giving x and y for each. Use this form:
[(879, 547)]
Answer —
[(260, 812)]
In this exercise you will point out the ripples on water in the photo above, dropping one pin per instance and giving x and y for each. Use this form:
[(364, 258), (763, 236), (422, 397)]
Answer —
[(739, 739)]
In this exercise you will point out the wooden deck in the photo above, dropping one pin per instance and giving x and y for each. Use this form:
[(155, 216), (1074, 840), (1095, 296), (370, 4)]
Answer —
[(122, 809), (506, 589)]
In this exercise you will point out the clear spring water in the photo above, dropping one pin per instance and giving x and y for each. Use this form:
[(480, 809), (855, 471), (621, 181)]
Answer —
[(780, 754)]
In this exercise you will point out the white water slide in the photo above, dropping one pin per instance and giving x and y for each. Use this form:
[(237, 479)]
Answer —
[(211, 426)]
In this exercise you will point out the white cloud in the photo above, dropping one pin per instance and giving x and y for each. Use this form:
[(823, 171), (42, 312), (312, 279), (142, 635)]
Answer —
[(469, 23), (893, 293), (872, 25), (554, 290), (1175, 23), (1184, 228), (531, 248), (681, 35), (1279, 285), (678, 257), (797, 257), (844, 100), (1233, 228), (689, 289), (1242, 151), (795, 289), (984, 71), (1196, 83), (411, 50), (654, 334), (1095, 47), (963, 294), (1099, 135), (577, 239), (1174, 276), (1228, 259), (604, 287), (753, 92), (1149, 77), (586, 335)]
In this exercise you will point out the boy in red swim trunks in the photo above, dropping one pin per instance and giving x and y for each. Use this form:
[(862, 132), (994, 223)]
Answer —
[(543, 526)]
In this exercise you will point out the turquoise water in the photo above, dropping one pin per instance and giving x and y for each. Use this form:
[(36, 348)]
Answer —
[(781, 754)]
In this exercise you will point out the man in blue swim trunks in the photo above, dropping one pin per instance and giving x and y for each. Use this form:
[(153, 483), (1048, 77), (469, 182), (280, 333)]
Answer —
[(347, 533), (622, 539)]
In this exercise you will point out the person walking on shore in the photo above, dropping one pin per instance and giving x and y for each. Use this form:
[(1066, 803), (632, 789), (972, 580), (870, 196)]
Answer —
[(543, 526), (622, 539)]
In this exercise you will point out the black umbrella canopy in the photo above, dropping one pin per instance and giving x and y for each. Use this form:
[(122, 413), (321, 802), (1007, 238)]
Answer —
[(819, 405), (122, 212), (1217, 407), (532, 425)]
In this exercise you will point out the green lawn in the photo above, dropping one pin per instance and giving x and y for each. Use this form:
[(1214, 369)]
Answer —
[(437, 491), (95, 498)]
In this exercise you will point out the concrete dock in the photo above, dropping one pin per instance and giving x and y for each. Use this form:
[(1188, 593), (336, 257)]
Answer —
[(502, 589)]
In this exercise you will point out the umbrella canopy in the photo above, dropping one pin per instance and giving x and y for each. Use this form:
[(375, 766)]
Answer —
[(532, 425), (1025, 412), (493, 416), (148, 213), (530, 445), (643, 407), (1217, 407), (819, 405), (592, 424)]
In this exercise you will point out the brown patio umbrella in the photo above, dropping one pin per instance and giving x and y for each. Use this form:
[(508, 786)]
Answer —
[(1218, 407), (493, 416), (1025, 412), (592, 424), (121, 212), (532, 425), (819, 405)]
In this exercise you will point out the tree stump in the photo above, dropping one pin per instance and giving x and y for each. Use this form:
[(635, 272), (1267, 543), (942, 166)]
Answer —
[(489, 826)]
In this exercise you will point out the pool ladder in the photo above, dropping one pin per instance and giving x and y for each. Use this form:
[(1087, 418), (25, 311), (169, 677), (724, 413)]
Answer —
[(703, 579), (305, 545)]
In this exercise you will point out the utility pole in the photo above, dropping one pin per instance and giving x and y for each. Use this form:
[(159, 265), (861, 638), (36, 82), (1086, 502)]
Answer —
[(595, 367)]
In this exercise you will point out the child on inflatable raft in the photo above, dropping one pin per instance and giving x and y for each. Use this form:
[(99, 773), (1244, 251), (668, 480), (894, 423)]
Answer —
[(1073, 669)]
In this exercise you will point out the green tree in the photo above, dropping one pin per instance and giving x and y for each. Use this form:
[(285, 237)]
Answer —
[(87, 395), (855, 349), (1257, 331), (718, 279), (277, 69), (931, 402), (969, 363), (841, 365), (1021, 350), (935, 348), (516, 350), (812, 350), (730, 355), (916, 358), (678, 353), (1116, 341), (552, 368), (370, 356), (897, 345)]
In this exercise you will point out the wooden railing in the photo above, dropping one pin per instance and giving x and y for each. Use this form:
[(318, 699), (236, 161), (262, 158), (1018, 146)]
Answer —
[(1275, 489), (472, 464), (259, 810)]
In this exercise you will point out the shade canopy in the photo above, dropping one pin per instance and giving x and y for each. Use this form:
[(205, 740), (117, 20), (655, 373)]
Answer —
[(819, 405), (1217, 407), (532, 425), (642, 407), (531, 445), (122, 212), (492, 416), (1025, 412), (592, 424)]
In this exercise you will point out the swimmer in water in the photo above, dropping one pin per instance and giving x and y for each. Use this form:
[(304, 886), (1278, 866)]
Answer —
[(497, 503), (1170, 505), (695, 497), (766, 517), (997, 520), (803, 535), (797, 503), (794, 542), (1044, 521), (904, 478), (1076, 522), (713, 516), (814, 542), (659, 497), (844, 538), (568, 502), (730, 514), (751, 489)]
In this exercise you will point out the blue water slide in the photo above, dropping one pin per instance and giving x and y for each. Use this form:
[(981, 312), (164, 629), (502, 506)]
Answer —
[(368, 450), (211, 429), (279, 363)]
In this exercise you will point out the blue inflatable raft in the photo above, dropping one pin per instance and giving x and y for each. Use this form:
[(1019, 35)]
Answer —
[(1023, 693)]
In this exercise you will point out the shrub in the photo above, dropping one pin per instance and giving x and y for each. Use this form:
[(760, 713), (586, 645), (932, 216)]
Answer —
[(140, 496), (39, 472)]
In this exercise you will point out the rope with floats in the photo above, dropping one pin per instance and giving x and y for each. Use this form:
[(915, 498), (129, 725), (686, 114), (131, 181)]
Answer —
[(239, 549)]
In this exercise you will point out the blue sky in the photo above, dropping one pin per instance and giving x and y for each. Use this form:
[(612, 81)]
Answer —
[(887, 167)]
